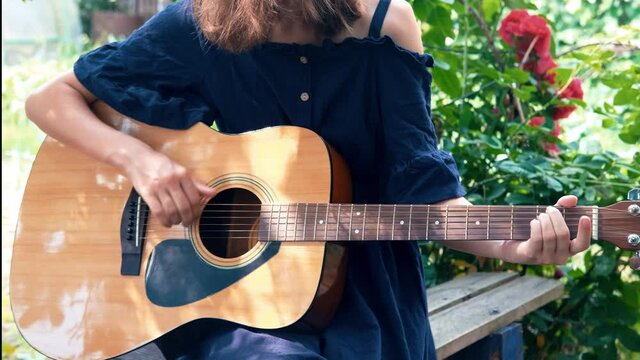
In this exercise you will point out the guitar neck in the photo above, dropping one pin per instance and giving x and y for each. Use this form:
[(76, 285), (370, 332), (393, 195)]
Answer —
[(353, 222)]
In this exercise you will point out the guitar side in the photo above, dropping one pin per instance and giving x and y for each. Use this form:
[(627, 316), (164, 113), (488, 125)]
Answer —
[(67, 295)]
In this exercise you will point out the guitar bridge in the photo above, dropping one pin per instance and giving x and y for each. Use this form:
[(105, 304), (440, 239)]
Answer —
[(132, 230)]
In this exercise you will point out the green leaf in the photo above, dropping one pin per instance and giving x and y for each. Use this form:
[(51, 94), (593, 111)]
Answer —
[(580, 56), (440, 18), (626, 97), (496, 192), (610, 108), (604, 265), (421, 9), (448, 82), (608, 123), (442, 64), (562, 75), (516, 4), (553, 183), (516, 75), (490, 8), (511, 167), (518, 199), (606, 55), (629, 338)]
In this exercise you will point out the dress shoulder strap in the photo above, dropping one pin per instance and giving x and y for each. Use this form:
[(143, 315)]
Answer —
[(378, 18)]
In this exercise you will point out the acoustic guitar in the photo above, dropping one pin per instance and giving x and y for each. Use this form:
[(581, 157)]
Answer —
[(95, 275)]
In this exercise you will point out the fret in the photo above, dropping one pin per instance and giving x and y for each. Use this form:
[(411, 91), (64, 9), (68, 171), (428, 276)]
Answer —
[(488, 219), (511, 222), (426, 232), (269, 222), (326, 222), (315, 222), (295, 223), (594, 223), (466, 225), (410, 213), (278, 225), (446, 221), (286, 224), (378, 224), (304, 226), (350, 222), (364, 220), (338, 223), (393, 222)]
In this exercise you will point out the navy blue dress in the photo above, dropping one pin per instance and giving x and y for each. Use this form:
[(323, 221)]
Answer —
[(369, 98)]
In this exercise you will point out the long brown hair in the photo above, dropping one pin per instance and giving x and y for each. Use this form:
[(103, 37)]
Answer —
[(238, 25)]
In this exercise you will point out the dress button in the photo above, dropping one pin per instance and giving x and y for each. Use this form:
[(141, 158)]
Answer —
[(304, 96), (303, 59)]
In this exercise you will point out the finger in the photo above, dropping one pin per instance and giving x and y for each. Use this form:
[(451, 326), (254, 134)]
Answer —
[(548, 238), (583, 239), (567, 201), (171, 215), (204, 189), (563, 236), (536, 237), (193, 195), (182, 204), (156, 209)]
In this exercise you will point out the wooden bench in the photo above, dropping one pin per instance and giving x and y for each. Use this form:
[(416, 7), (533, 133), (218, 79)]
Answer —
[(465, 312), (469, 313)]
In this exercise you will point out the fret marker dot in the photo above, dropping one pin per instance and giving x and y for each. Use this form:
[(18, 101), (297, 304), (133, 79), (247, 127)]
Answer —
[(321, 222), (358, 213), (357, 231), (401, 222), (477, 222), (437, 222)]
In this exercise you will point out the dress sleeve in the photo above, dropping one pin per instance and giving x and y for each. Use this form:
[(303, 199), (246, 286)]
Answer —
[(156, 75), (415, 170)]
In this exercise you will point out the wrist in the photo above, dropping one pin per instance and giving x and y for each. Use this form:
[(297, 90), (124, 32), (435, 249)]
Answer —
[(127, 153)]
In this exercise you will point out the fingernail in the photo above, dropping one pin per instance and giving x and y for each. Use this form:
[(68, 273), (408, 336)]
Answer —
[(550, 208)]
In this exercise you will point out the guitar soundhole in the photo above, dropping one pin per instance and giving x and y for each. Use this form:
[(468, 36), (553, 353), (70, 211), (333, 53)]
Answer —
[(229, 223)]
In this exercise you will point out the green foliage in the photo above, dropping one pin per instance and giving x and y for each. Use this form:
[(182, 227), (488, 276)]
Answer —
[(87, 7), (504, 160), (19, 135)]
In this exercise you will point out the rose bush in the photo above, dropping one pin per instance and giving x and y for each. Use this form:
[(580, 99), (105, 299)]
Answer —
[(509, 98)]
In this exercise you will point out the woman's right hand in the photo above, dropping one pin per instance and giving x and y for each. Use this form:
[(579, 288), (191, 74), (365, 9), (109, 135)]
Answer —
[(61, 109), (170, 191)]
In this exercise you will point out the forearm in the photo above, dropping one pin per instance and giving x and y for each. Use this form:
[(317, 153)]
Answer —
[(61, 109), (492, 249)]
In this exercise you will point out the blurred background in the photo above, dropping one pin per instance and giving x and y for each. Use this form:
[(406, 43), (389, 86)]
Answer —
[(503, 158)]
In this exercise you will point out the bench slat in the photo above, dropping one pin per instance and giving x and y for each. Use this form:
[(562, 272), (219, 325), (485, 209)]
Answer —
[(453, 292), (460, 325)]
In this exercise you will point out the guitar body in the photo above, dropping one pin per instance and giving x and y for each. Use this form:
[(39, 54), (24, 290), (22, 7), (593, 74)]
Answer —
[(68, 296)]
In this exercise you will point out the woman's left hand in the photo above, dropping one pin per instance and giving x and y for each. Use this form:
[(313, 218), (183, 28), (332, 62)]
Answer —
[(550, 242)]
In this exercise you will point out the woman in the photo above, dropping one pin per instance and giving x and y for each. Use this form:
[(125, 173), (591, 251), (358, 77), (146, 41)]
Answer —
[(351, 70)]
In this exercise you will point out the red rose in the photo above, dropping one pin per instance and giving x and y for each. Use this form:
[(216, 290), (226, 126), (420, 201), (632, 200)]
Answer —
[(551, 149), (573, 91), (536, 26), (562, 112), (510, 25), (519, 29), (536, 121), (550, 77), (558, 274), (543, 65), (557, 130)]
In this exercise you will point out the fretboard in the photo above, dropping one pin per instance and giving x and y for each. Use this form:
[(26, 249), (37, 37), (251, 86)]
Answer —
[(354, 222)]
